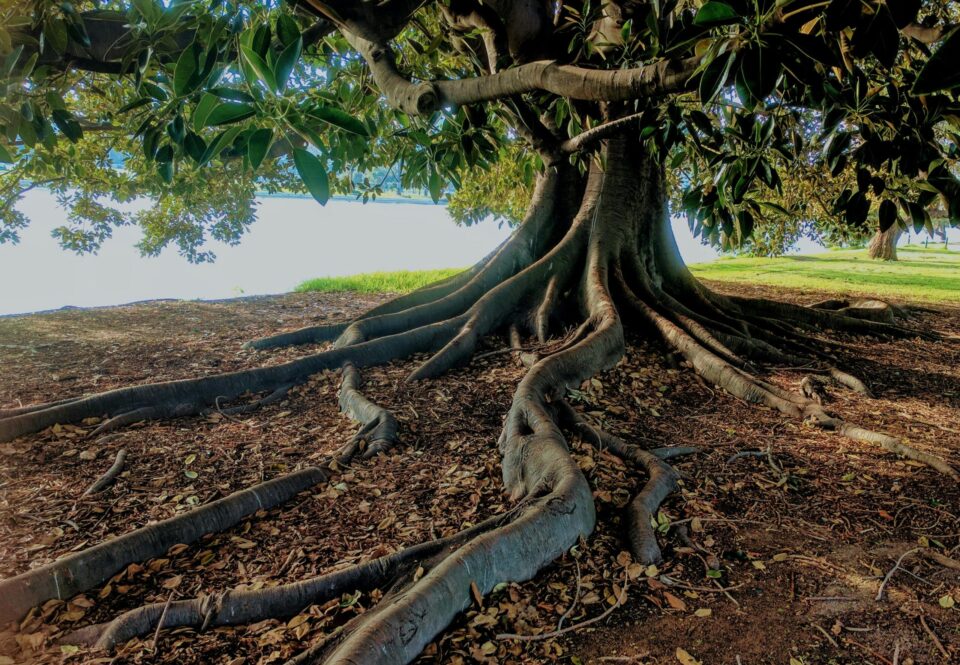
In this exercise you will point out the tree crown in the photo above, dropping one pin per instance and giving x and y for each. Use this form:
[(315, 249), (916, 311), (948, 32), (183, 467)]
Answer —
[(129, 97)]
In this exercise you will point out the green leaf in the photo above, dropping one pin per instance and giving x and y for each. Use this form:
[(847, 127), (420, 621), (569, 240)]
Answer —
[(55, 34), (66, 124), (231, 94), (185, 71), (338, 118), (228, 112), (135, 104), (194, 146), (941, 72), (5, 156), (11, 60), (258, 146), (887, 214), (221, 141), (286, 62), (202, 110), (155, 91), (259, 68), (757, 76), (436, 186), (287, 30), (714, 77), (147, 9), (313, 174), (715, 13), (165, 169)]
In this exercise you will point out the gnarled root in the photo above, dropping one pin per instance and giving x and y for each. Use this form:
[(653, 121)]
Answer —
[(378, 431), (241, 606), (107, 479), (560, 261), (661, 483), (754, 390), (86, 569)]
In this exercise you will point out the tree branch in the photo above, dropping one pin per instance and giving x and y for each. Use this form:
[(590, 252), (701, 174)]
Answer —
[(656, 79), (591, 137), (924, 34)]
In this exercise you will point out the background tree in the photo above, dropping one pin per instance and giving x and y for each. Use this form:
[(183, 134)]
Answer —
[(594, 104)]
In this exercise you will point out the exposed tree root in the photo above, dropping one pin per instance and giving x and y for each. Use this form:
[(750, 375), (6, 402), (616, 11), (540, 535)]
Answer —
[(20, 410), (378, 431), (277, 395), (107, 479), (661, 483), (86, 569), (242, 606), (589, 252)]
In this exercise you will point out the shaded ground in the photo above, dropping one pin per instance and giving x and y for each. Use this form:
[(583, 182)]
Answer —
[(800, 539)]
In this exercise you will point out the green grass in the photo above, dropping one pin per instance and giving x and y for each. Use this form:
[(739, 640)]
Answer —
[(401, 281), (921, 274)]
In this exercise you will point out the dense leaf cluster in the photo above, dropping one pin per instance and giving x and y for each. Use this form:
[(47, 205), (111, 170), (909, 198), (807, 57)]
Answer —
[(104, 101)]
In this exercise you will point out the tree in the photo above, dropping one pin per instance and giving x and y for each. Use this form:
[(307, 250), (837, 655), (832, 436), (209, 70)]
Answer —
[(883, 245), (596, 104)]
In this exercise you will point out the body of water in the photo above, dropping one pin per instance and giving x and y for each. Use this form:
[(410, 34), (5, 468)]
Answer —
[(294, 239)]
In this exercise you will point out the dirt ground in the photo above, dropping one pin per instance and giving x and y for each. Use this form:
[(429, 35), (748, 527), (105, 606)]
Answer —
[(768, 559)]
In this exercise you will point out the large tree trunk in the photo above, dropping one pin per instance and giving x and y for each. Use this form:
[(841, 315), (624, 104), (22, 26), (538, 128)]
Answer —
[(594, 256), (883, 245)]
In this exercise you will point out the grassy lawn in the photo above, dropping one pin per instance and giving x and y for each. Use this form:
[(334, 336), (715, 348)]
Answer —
[(400, 281), (931, 275), (928, 275)]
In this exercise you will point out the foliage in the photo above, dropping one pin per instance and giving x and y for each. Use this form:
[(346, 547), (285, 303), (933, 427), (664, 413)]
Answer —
[(104, 101)]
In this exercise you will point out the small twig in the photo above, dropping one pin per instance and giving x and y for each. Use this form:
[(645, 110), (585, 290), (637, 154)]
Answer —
[(506, 349), (896, 653), (943, 560), (933, 636), (163, 615), (893, 570), (827, 635), (748, 453), (576, 597), (103, 481), (868, 650), (583, 624), (726, 593), (669, 581)]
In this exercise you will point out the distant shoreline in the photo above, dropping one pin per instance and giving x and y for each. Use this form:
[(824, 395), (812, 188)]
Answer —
[(353, 199)]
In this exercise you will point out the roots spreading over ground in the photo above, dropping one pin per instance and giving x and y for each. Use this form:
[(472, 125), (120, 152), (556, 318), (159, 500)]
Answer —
[(594, 253)]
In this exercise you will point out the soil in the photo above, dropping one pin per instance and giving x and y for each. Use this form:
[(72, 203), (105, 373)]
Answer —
[(800, 538)]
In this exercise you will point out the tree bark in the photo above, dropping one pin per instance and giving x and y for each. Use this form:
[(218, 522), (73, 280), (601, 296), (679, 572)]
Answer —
[(883, 245), (595, 256)]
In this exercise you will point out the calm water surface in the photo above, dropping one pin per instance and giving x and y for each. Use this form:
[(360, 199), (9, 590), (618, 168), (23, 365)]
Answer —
[(293, 240)]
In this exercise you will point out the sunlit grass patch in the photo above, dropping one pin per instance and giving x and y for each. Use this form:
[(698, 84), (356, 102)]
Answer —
[(931, 275), (400, 281)]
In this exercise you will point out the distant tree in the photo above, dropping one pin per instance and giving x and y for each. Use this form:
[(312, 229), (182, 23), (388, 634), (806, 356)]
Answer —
[(600, 108), (883, 244)]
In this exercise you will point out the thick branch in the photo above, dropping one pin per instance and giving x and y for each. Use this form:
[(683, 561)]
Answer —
[(568, 80)]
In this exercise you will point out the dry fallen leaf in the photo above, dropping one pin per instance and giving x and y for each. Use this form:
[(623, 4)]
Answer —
[(675, 603), (173, 582), (685, 658)]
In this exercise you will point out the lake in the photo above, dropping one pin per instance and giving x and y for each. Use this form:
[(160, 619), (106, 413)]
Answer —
[(294, 239)]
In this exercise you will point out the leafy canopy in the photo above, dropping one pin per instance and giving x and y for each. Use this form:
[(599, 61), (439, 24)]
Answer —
[(103, 101)]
